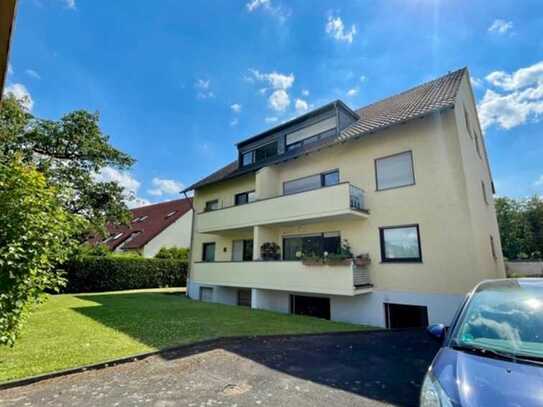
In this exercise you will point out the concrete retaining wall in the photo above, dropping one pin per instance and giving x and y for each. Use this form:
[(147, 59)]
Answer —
[(524, 268)]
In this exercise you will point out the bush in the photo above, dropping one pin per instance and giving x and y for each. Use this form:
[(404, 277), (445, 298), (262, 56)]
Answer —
[(112, 273), (176, 253)]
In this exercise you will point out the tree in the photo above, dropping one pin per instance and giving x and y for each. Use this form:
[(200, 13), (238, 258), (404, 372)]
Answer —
[(36, 234), (521, 227), (174, 253), (70, 152)]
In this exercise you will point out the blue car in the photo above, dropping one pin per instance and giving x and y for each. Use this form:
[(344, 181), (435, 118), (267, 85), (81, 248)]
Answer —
[(492, 354)]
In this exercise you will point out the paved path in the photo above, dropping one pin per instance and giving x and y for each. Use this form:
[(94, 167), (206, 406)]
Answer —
[(359, 369)]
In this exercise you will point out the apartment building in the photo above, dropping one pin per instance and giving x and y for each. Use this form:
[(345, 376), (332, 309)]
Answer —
[(404, 182)]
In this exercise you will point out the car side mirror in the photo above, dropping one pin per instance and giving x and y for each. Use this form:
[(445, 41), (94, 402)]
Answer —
[(437, 331)]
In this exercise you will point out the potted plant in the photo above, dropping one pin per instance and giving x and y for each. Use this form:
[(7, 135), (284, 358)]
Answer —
[(270, 251)]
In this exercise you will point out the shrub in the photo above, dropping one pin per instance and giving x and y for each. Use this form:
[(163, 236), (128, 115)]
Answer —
[(270, 251), (176, 253), (111, 273)]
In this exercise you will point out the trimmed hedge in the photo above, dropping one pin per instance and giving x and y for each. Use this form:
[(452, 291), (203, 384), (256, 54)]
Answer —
[(110, 273)]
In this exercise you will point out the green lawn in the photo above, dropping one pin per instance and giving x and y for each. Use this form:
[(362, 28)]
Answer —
[(74, 330)]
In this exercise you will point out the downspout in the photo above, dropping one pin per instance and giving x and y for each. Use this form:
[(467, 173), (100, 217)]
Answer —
[(189, 265)]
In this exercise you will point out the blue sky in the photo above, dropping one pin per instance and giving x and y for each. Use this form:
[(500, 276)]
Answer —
[(177, 85)]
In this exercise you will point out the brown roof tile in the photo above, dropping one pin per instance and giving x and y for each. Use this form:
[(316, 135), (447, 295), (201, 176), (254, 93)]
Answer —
[(141, 232)]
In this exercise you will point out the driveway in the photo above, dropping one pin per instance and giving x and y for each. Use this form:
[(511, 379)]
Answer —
[(362, 369)]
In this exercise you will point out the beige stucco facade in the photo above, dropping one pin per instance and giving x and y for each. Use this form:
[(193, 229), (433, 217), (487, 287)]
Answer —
[(178, 234), (446, 201)]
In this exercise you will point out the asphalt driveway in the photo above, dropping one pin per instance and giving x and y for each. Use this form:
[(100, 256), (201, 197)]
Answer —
[(362, 369)]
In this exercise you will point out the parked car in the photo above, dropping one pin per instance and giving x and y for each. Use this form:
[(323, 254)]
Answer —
[(492, 354)]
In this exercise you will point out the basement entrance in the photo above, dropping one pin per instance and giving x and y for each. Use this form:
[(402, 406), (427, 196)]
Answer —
[(318, 307), (244, 297), (406, 316)]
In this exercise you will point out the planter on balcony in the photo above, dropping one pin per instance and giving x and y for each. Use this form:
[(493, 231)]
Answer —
[(362, 260)]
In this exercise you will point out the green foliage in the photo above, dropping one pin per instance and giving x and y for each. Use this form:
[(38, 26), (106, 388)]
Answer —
[(69, 152), (36, 234), (177, 253), (87, 249), (111, 273), (521, 227), (270, 251)]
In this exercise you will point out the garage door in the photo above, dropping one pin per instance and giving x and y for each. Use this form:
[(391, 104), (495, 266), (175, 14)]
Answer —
[(406, 316), (312, 306), (244, 298), (206, 294)]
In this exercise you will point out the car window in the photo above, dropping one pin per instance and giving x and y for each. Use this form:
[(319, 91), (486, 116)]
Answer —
[(508, 317)]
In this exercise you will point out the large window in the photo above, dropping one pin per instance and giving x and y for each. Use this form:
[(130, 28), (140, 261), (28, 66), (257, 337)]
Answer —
[(310, 134), (212, 205), (311, 182), (394, 171), (208, 252), (311, 245), (259, 154), (400, 244), (245, 197), (242, 250)]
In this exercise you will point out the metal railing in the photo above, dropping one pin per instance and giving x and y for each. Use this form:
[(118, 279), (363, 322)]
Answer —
[(356, 198)]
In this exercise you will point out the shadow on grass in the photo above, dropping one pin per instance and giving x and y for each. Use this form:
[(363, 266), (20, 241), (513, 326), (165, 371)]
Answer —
[(384, 366)]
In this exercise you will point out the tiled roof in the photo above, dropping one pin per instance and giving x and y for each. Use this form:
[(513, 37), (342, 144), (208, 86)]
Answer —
[(147, 222), (432, 96)]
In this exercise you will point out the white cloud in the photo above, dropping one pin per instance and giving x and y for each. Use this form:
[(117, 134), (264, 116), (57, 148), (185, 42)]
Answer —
[(236, 107), (476, 82), (352, 92), (519, 98), (336, 29), (275, 79), (279, 100), (33, 74), (272, 119), (278, 12), (21, 93), (234, 122), (10, 69), (301, 106), (203, 88), (363, 78), (539, 182), (305, 92), (500, 26), (124, 179), (165, 187), (523, 77), (255, 4), (70, 4)]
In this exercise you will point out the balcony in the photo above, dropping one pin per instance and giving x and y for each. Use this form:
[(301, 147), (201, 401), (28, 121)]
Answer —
[(337, 202), (286, 276)]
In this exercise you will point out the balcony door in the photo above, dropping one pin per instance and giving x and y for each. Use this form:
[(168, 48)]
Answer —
[(242, 250), (311, 245)]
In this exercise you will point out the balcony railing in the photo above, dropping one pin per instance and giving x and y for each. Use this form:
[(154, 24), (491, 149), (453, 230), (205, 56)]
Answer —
[(291, 276), (340, 201)]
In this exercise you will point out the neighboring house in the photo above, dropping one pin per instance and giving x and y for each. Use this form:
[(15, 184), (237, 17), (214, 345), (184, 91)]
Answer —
[(7, 17), (405, 180), (164, 224)]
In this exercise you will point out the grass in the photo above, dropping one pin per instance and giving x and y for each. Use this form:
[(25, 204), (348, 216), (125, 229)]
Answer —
[(75, 330)]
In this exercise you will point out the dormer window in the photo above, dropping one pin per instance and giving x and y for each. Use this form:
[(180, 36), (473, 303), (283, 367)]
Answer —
[(259, 154), (171, 214)]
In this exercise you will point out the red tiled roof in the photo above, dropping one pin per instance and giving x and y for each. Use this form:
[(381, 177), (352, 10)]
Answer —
[(138, 233), (432, 96)]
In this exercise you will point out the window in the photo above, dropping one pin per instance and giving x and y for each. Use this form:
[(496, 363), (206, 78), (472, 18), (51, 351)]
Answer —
[(311, 245), (212, 205), (208, 252), (485, 198), (247, 159), (118, 235), (171, 214), (309, 134), (242, 250), (266, 151), (477, 147), (244, 197), (493, 247), (206, 294), (311, 182), (394, 171), (400, 244)]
